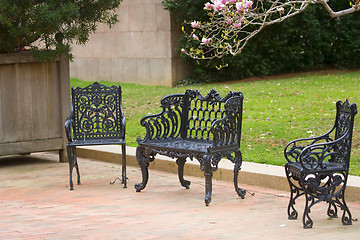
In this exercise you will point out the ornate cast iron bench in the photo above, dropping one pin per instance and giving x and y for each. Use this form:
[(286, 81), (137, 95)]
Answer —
[(96, 118), (318, 167), (193, 126)]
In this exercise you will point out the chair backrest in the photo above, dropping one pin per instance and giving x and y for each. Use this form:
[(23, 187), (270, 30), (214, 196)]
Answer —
[(345, 115), (97, 112), (344, 123), (201, 112)]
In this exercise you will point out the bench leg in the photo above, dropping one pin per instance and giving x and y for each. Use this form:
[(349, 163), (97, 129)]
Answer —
[(123, 176), (181, 162), (332, 210), (144, 169), (346, 217), (238, 161), (208, 179), (73, 163)]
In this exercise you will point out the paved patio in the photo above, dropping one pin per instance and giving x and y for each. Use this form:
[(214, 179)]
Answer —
[(35, 203)]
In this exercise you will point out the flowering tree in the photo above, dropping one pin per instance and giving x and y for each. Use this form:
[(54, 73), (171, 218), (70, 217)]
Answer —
[(234, 22)]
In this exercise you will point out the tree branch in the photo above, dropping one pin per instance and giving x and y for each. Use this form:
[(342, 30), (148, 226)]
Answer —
[(334, 14)]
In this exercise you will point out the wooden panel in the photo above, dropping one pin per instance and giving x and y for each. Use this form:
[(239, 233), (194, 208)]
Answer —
[(39, 101), (34, 102), (30, 146), (8, 103), (53, 103), (1, 114), (24, 103)]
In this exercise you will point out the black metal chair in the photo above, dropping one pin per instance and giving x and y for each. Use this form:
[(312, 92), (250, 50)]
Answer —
[(318, 167), (190, 125), (96, 118)]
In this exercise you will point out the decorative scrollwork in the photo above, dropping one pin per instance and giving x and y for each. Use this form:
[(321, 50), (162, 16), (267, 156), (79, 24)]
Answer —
[(97, 112), (320, 169), (193, 126)]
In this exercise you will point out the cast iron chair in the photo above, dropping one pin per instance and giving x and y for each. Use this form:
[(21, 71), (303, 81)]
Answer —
[(96, 118), (318, 167)]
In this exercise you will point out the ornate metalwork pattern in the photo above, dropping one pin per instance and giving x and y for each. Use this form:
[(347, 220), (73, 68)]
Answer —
[(97, 112), (191, 125), (204, 111), (96, 118), (167, 124), (319, 169)]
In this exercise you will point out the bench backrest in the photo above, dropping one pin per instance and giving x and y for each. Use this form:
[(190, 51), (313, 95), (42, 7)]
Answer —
[(201, 112), (97, 112)]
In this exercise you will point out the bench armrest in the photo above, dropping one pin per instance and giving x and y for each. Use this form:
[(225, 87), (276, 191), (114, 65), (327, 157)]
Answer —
[(293, 149), (167, 123), (227, 131)]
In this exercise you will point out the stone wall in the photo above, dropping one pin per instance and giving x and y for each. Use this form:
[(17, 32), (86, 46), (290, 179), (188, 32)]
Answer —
[(138, 49)]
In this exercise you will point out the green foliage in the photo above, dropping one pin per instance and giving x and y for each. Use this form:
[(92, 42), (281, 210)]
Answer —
[(51, 24), (307, 41), (275, 110)]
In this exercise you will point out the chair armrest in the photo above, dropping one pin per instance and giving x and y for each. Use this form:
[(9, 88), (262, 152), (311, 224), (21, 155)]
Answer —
[(337, 151), (69, 126), (167, 123), (292, 150)]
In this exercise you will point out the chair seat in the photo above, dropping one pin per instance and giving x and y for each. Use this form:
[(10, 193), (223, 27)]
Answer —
[(187, 145), (96, 142), (297, 168)]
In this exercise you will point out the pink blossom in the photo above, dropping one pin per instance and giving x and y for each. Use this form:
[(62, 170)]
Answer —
[(208, 6), (218, 5), (280, 9), (239, 6), (223, 1), (231, 1), (183, 50), (237, 25), (248, 4), (194, 24), (205, 40), (195, 37), (268, 119)]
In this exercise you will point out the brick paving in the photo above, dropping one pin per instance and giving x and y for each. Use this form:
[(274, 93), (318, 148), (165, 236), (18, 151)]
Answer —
[(35, 203)]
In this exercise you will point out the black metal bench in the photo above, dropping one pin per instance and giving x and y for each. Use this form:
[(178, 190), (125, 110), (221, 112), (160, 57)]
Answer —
[(318, 167), (96, 118), (193, 126)]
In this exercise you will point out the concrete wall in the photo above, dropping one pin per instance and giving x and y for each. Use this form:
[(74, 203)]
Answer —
[(138, 49)]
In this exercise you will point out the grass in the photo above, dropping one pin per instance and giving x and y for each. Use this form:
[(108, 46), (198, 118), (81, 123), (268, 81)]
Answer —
[(275, 111)]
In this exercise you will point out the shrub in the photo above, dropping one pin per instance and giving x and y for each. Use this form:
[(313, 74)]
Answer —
[(51, 24)]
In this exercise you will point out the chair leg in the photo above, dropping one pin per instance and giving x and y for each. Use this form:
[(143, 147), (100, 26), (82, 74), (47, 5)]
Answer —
[(292, 213), (124, 178), (181, 162), (307, 221), (144, 169), (208, 179), (238, 162), (73, 163)]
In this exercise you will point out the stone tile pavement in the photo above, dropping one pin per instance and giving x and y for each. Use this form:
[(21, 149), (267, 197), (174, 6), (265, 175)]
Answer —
[(35, 203)]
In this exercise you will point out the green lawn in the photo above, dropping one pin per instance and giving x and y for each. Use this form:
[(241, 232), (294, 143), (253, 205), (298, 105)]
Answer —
[(275, 111)]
